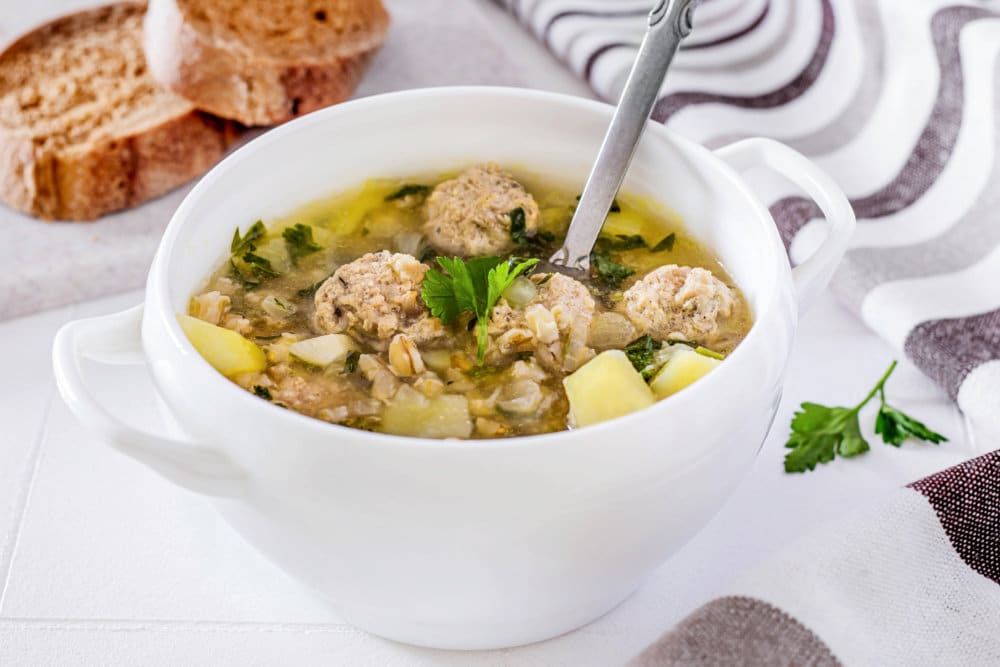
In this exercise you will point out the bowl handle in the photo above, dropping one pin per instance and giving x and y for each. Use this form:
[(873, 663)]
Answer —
[(116, 340), (813, 275)]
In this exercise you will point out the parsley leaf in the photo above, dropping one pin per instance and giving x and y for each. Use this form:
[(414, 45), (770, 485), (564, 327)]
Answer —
[(299, 241), (351, 362), (640, 352), (262, 391), (247, 242), (820, 432), (518, 226), (409, 190), (666, 243), (472, 286), (608, 271)]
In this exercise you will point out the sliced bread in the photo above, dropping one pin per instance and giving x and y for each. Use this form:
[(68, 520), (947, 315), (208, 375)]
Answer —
[(262, 63), (84, 129)]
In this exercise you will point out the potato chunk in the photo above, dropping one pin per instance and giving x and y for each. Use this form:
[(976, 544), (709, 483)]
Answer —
[(227, 351), (446, 416), (684, 367), (604, 388), (323, 350)]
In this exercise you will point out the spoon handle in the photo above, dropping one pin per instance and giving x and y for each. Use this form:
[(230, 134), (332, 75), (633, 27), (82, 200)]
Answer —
[(669, 23)]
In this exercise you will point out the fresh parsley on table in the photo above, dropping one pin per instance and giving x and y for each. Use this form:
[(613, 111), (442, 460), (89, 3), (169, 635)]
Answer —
[(472, 286), (820, 432)]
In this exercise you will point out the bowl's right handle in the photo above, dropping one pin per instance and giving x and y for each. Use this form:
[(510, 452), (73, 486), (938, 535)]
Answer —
[(813, 275), (116, 340)]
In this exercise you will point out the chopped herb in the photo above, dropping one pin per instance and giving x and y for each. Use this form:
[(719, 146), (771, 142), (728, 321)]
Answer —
[(409, 190), (546, 278), (705, 352), (351, 362), (248, 267), (524, 355), (641, 352), (519, 233), (622, 242), (518, 226), (666, 243), (263, 392), (607, 270), (247, 242), (820, 433), (472, 286), (299, 241), (428, 254), (477, 372), (311, 290)]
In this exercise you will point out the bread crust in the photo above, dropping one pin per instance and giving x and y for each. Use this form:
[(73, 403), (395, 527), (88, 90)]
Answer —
[(232, 80), (118, 170)]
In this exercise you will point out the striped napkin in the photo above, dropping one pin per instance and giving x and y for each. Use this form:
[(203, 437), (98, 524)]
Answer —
[(899, 100), (896, 99)]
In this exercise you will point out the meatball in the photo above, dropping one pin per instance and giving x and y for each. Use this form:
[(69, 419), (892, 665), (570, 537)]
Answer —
[(554, 326), (680, 303), (375, 297), (469, 216)]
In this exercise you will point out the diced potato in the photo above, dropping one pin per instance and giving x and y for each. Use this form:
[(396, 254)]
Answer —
[(323, 350), (684, 367), (227, 351), (446, 416), (606, 387)]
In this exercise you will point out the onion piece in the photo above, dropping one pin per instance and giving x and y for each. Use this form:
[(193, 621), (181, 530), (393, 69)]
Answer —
[(277, 308), (610, 331), (408, 243), (521, 292)]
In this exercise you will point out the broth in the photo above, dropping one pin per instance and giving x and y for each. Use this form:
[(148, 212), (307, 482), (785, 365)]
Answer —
[(378, 360)]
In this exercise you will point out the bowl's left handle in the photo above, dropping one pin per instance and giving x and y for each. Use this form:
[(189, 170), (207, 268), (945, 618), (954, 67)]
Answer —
[(116, 339), (813, 275)]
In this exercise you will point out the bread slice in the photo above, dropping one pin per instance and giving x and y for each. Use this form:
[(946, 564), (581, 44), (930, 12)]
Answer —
[(262, 63), (84, 130)]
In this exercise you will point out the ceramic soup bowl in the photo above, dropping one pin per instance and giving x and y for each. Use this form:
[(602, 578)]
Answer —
[(447, 543)]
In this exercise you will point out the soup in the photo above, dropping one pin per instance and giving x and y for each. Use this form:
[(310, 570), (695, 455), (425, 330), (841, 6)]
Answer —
[(416, 308)]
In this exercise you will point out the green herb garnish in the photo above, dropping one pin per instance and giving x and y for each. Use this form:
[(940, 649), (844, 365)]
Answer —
[(263, 392), (607, 270), (351, 362), (518, 226), (820, 433), (247, 242), (311, 290), (666, 243), (705, 352), (474, 286), (408, 190), (641, 353), (299, 241)]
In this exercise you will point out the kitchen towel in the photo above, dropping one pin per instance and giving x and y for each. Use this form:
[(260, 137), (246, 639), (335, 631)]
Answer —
[(914, 582), (896, 99)]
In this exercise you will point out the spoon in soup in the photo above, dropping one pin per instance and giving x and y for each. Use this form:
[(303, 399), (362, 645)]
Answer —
[(669, 24)]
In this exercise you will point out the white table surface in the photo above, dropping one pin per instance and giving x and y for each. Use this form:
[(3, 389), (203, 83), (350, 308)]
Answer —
[(104, 563)]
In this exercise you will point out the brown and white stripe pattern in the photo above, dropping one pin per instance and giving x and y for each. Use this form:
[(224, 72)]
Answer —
[(898, 99), (914, 582)]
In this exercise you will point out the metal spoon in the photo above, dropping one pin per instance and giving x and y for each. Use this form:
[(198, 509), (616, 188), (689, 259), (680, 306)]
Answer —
[(669, 23)]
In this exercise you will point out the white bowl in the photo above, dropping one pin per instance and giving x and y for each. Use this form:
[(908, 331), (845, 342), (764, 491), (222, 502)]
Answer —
[(462, 544)]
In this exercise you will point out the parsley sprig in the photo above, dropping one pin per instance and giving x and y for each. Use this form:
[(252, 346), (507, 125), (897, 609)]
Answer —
[(820, 432), (472, 286)]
